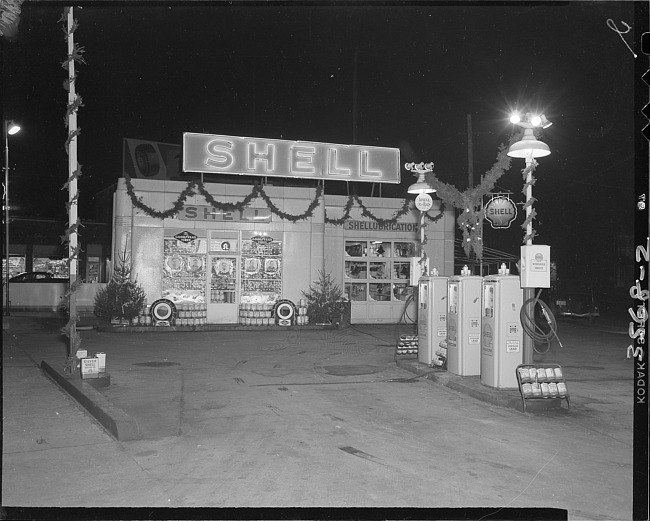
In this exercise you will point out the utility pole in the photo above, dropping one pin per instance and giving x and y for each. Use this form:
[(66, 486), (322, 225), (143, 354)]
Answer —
[(470, 163)]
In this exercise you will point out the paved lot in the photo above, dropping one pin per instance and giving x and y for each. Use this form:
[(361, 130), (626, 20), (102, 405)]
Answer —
[(310, 418)]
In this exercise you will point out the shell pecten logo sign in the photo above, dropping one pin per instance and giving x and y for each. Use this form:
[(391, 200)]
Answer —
[(500, 211)]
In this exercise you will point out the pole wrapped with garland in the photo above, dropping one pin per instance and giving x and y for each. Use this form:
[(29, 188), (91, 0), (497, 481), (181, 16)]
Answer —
[(529, 180), (75, 55), (9, 18)]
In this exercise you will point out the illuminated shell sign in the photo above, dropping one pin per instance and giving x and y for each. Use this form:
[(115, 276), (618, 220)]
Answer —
[(500, 211)]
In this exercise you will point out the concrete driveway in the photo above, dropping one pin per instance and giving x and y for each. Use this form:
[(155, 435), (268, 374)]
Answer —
[(325, 418)]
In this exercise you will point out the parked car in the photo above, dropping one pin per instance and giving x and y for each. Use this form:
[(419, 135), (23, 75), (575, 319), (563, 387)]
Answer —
[(575, 305), (36, 276)]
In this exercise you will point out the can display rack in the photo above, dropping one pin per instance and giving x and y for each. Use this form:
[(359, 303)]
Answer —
[(408, 345), (440, 356), (542, 381)]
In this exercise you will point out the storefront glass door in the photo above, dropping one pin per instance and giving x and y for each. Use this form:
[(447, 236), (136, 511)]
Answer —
[(223, 289)]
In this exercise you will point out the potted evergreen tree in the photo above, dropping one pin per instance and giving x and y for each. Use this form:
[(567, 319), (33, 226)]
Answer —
[(325, 303), (122, 299)]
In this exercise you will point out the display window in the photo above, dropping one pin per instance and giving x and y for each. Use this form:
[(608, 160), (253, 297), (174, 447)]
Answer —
[(16, 266), (370, 261), (379, 292), (57, 267), (261, 269), (402, 291), (223, 280), (356, 292), (184, 270)]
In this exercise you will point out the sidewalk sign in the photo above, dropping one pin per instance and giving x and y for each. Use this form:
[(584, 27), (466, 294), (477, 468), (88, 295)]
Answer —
[(89, 368)]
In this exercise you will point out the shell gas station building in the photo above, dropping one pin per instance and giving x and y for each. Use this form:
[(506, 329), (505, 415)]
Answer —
[(227, 247)]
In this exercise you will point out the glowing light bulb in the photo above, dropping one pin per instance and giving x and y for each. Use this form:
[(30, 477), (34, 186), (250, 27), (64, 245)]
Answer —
[(514, 118), (536, 121)]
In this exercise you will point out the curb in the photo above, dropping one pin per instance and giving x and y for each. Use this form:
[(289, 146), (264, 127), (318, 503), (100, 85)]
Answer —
[(209, 327), (122, 426), (506, 398)]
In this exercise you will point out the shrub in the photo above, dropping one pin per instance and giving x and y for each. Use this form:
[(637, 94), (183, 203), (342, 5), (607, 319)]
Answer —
[(324, 300), (122, 298)]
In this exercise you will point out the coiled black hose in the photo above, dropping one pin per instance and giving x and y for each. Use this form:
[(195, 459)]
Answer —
[(532, 329)]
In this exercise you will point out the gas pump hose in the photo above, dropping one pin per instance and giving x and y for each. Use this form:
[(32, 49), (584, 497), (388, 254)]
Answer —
[(534, 331)]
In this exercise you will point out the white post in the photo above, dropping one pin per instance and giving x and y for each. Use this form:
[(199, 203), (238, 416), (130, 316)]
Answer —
[(72, 186), (421, 234), (528, 347), (6, 132)]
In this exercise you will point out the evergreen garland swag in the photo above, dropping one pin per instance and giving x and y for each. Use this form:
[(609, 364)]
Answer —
[(197, 187), (469, 201)]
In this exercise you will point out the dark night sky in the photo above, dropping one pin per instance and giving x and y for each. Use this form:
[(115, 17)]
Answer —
[(287, 71)]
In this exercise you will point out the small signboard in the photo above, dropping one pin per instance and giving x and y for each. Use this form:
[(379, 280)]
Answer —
[(500, 211), (185, 237), (89, 368), (512, 346), (423, 202)]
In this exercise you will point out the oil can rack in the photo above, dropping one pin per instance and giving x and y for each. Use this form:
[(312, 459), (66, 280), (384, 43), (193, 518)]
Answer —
[(542, 381)]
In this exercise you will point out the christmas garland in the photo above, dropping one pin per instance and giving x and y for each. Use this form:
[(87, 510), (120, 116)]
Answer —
[(196, 186), (9, 17), (529, 182), (469, 201), (257, 191)]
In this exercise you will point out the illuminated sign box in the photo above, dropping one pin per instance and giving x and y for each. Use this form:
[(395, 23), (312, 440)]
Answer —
[(216, 154)]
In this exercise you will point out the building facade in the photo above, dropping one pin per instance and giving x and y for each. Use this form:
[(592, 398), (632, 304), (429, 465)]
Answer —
[(206, 247)]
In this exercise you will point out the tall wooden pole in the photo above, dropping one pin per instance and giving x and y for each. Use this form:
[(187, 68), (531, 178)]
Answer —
[(72, 185), (470, 153), (528, 343), (470, 165)]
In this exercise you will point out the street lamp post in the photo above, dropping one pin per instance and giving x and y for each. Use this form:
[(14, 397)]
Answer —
[(10, 128), (529, 148), (421, 189)]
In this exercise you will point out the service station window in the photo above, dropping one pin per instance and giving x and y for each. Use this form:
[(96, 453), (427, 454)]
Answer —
[(369, 261)]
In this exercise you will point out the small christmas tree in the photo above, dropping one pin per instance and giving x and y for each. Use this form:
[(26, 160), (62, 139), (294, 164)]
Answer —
[(324, 300), (122, 298)]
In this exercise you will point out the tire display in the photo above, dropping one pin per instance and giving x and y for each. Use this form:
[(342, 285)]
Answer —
[(285, 313), (163, 312)]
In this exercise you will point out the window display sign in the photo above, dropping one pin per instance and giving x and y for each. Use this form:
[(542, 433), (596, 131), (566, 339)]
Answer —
[(185, 237), (210, 153), (184, 270), (224, 242), (223, 280), (261, 270), (210, 213)]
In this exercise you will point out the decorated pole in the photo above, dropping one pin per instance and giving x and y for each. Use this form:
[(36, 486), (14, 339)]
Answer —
[(529, 293), (72, 166), (74, 171)]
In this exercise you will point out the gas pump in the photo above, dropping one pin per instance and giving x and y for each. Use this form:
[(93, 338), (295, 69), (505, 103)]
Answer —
[(432, 316), (464, 325), (501, 331)]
